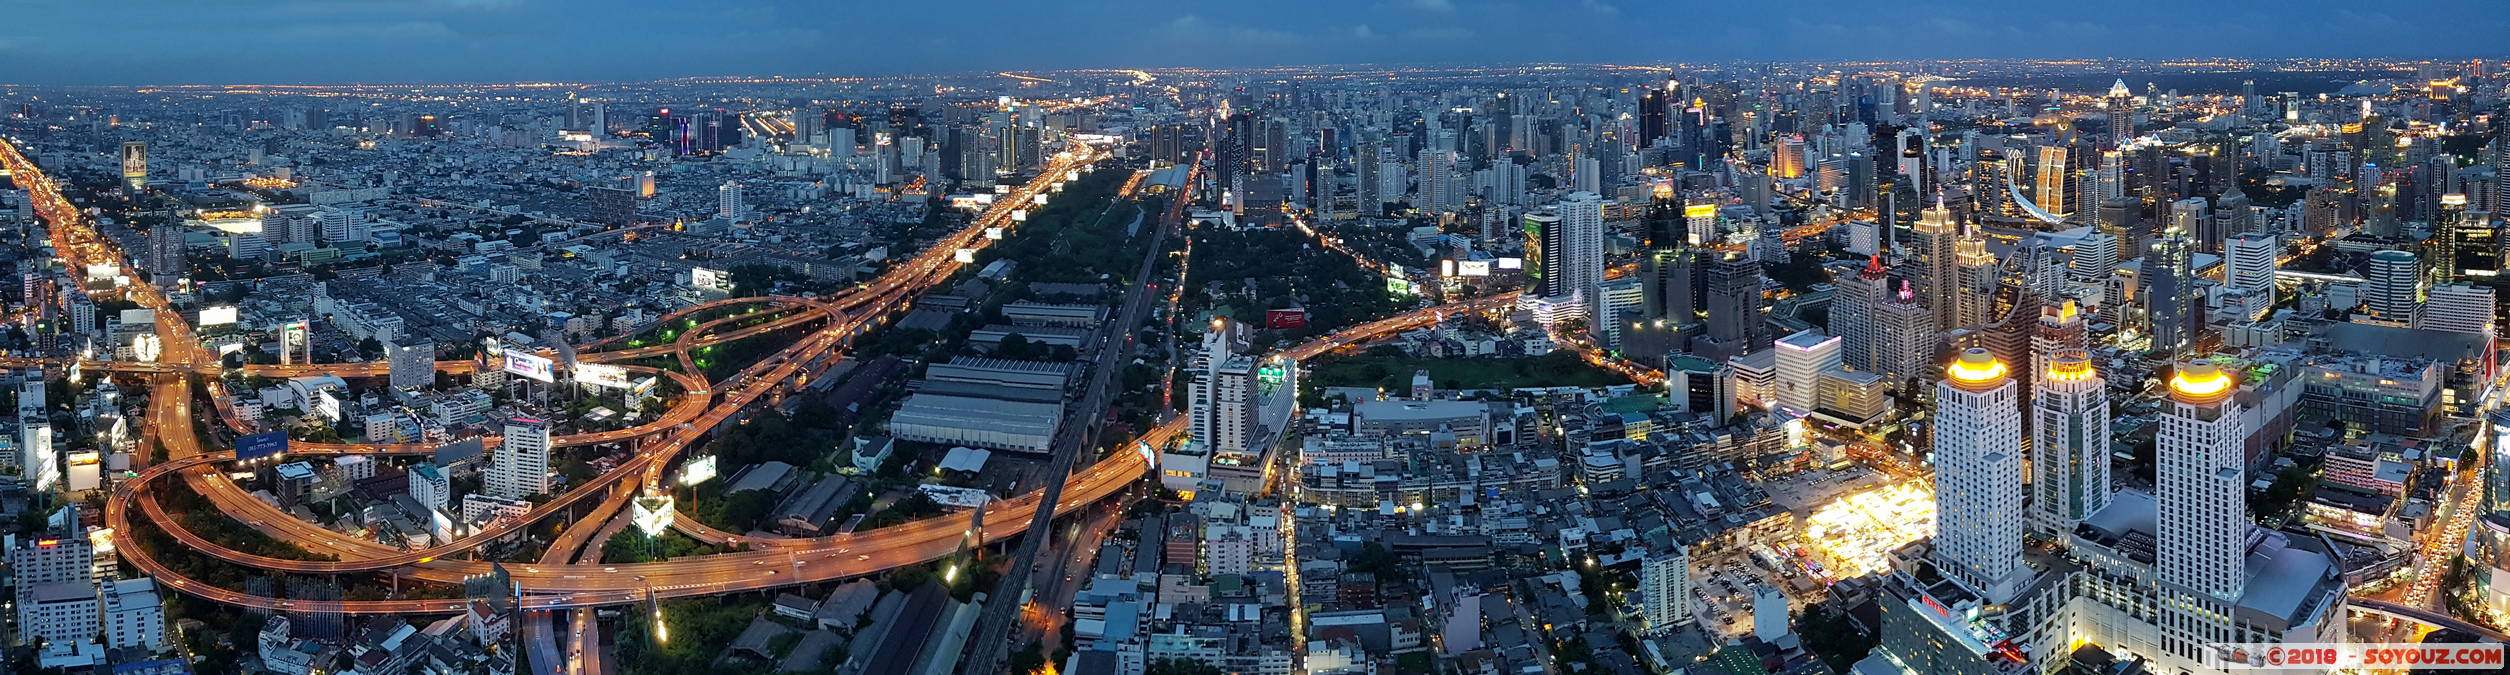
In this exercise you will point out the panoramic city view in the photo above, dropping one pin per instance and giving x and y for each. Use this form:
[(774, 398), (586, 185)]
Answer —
[(1454, 337)]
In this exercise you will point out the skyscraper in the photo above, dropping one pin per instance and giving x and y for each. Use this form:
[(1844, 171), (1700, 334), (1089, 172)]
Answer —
[(2070, 442), (2121, 109), (1734, 307), (1974, 297), (1222, 402), (2203, 509), (1904, 337), (165, 253), (728, 204), (520, 468), (1582, 250), (1933, 237), (2394, 291), (2170, 292), (1853, 301), (2250, 265), (1802, 358), (1978, 475)]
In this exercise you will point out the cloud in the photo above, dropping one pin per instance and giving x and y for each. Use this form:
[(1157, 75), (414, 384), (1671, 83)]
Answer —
[(1599, 7), (1439, 6), (1440, 33), (366, 30), (1359, 32)]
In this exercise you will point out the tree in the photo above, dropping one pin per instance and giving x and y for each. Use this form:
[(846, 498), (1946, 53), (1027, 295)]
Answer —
[(1017, 346)]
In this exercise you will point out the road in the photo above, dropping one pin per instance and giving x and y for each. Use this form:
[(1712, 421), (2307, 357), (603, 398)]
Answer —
[(1116, 344)]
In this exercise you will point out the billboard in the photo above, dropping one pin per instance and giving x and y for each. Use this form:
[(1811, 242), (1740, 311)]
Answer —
[(528, 365), (261, 445), (217, 316), (697, 470), (1280, 319), (1511, 263), (710, 279), (602, 375), (1473, 268)]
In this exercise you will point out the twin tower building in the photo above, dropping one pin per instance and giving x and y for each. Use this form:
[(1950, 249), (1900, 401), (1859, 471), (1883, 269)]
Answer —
[(2031, 576)]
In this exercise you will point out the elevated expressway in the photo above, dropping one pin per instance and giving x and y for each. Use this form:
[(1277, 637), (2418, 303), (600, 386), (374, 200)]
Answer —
[(832, 323)]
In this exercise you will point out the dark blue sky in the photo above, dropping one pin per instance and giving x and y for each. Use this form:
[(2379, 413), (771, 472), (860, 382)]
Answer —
[(332, 41)]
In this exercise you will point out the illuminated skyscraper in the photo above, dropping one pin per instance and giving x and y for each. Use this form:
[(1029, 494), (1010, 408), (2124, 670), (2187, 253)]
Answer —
[(2070, 442), (2203, 509), (1932, 239), (520, 467), (2053, 179), (2121, 108), (1978, 475), (1853, 301)]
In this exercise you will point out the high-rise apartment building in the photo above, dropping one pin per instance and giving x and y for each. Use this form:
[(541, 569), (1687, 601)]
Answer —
[(520, 467)]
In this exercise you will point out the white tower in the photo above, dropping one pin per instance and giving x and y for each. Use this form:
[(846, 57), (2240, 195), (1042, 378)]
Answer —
[(2204, 517), (2252, 262), (1582, 239), (2070, 411), (520, 468), (728, 203), (1978, 475)]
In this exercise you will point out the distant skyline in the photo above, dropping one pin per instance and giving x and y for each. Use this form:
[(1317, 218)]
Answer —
[(419, 41)]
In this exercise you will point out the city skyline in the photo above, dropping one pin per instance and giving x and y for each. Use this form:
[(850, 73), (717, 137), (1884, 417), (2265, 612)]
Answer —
[(486, 41)]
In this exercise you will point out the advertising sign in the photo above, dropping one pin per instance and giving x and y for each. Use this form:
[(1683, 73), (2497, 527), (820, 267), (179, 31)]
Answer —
[(528, 365), (217, 316), (261, 445), (602, 375), (1282, 319)]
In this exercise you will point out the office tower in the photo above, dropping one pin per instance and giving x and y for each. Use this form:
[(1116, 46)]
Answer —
[(2070, 442), (55, 576), (2394, 291), (165, 253), (412, 365), (612, 206), (728, 205), (1978, 475), (1665, 589), (1670, 266), (2054, 179), (2250, 262), (1973, 297), (1904, 337), (134, 164), (1853, 301), (1698, 385), (2203, 510), (1932, 238), (1222, 401), (1802, 358), (2170, 292), (1734, 304), (2456, 241), (520, 467), (342, 225), (2462, 308), (2092, 257), (2121, 108)]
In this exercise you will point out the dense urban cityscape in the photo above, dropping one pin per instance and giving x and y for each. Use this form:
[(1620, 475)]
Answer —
[(1981, 366)]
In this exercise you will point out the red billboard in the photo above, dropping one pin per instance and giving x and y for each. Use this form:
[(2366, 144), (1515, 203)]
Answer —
[(1283, 319)]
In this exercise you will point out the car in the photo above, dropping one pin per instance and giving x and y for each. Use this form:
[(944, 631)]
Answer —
[(612, 570), (865, 556)]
